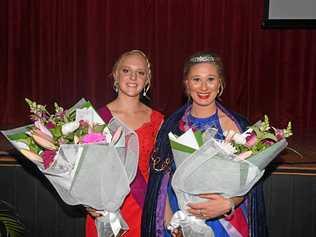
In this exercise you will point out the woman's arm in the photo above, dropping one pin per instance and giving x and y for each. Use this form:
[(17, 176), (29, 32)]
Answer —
[(214, 206)]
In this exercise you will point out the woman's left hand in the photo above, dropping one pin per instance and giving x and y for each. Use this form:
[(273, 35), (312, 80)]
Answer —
[(215, 206)]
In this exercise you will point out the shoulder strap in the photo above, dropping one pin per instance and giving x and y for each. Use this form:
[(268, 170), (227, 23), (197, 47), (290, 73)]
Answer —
[(105, 114)]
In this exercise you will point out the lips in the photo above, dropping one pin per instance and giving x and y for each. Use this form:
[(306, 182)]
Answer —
[(131, 84), (203, 96)]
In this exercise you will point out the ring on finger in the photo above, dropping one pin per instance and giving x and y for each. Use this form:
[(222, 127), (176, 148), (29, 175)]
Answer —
[(202, 213)]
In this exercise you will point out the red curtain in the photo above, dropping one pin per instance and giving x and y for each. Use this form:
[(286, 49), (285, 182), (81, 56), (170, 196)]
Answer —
[(63, 50)]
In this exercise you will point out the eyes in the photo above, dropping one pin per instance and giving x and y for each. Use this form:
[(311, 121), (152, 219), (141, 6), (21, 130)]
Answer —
[(199, 80), (128, 71)]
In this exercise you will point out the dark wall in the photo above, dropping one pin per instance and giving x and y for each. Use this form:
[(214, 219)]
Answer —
[(64, 50), (290, 204)]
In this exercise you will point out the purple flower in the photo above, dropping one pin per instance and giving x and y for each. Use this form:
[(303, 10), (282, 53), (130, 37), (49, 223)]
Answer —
[(83, 124), (268, 142), (251, 139), (50, 125), (279, 133), (48, 157)]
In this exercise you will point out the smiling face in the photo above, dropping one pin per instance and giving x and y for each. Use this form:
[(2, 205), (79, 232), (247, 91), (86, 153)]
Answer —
[(132, 75), (203, 84)]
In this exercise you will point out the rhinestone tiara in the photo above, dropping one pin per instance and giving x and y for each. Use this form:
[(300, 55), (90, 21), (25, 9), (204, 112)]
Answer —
[(200, 59)]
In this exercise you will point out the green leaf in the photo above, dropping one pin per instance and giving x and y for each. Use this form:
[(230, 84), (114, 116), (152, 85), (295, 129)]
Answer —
[(99, 127), (86, 104), (181, 147), (34, 147), (257, 131), (269, 136), (18, 136), (10, 221), (29, 102), (199, 138), (56, 131)]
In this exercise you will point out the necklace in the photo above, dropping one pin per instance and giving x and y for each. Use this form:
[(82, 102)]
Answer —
[(188, 121)]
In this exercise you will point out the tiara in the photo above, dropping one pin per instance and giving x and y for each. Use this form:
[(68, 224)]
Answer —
[(200, 59)]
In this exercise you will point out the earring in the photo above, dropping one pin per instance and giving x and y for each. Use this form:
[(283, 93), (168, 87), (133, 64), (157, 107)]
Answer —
[(115, 86), (189, 99), (146, 88)]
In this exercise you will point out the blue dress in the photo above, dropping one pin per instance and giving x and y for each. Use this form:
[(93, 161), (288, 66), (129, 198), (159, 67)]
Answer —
[(163, 168)]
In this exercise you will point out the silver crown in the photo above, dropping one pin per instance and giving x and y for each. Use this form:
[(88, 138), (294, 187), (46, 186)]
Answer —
[(200, 59)]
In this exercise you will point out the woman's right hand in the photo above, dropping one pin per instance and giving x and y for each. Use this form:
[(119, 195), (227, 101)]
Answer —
[(93, 212), (177, 233)]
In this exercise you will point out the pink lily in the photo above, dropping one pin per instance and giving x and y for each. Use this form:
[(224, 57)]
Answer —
[(44, 142), (41, 134), (93, 138), (251, 139), (279, 133), (244, 155), (268, 142), (31, 155), (42, 127)]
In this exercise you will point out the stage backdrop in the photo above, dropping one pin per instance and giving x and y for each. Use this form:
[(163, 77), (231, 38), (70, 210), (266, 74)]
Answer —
[(63, 50)]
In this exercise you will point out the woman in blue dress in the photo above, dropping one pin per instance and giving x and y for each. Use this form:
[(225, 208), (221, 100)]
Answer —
[(236, 216)]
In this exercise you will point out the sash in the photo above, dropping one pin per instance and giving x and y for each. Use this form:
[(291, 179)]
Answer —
[(138, 186)]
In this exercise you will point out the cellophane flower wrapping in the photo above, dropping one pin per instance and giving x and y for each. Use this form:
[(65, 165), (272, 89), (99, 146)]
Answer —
[(84, 174), (211, 169)]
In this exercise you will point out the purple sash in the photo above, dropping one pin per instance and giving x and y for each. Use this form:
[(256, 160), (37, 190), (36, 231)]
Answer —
[(138, 186)]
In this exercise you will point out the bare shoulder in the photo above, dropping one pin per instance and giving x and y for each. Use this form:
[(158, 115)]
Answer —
[(226, 122)]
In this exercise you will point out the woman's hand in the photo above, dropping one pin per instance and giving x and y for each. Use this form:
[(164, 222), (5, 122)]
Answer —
[(177, 233), (93, 212), (215, 206)]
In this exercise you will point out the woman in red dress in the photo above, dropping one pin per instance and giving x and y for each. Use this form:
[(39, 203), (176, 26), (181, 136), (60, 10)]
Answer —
[(132, 77)]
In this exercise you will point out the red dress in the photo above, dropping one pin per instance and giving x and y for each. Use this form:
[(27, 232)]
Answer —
[(131, 209)]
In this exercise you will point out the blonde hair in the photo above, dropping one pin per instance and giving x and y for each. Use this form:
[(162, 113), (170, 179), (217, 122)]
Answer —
[(128, 53)]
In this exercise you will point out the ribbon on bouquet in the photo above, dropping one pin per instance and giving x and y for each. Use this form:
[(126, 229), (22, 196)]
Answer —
[(110, 224), (191, 226)]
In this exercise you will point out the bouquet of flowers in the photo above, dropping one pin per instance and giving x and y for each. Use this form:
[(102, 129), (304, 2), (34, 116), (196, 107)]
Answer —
[(229, 168), (80, 155)]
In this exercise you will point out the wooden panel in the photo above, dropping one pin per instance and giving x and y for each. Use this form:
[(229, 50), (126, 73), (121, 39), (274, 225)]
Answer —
[(7, 184), (43, 213), (26, 199), (291, 205)]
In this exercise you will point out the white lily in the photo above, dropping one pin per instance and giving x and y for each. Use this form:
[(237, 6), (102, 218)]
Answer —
[(226, 146), (229, 135), (237, 137), (240, 138), (70, 127)]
